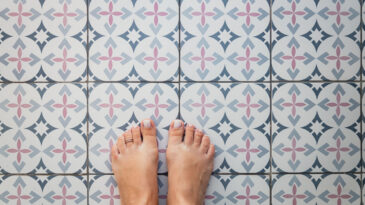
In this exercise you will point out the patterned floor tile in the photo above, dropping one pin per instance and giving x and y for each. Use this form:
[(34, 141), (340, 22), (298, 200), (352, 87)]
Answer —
[(315, 40), (116, 107), (363, 40), (225, 40), (316, 127), (316, 189), (363, 128), (43, 128), (237, 118), (133, 40), (238, 189), (104, 190), (43, 190), (43, 40)]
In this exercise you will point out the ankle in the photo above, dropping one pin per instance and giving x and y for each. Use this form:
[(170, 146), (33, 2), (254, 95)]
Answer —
[(140, 198), (179, 198)]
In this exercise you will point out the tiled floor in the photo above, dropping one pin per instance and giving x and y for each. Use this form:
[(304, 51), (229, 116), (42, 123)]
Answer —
[(278, 85)]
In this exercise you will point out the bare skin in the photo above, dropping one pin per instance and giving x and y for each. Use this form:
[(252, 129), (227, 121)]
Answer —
[(135, 165), (189, 163)]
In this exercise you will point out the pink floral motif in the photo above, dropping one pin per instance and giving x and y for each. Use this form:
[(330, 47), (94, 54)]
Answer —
[(19, 105), (155, 58), (338, 13), (108, 149), (156, 105), (203, 13), (19, 59), (64, 197), (293, 58), (294, 13), (65, 14), (293, 149), (64, 151), (294, 195), (248, 196), (111, 105), (339, 196), (248, 14), (110, 58), (19, 196), (338, 104), (64, 106), (338, 149), (203, 105), (294, 104), (202, 58), (20, 14), (19, 151), (338, 58), (155, 13), (248, 105), (111, 13), (64, 60), (248, 150), (248, 58), (111, 196)]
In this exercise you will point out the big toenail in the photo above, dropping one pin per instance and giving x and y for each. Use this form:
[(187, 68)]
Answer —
[(147, 123), (177, 124)]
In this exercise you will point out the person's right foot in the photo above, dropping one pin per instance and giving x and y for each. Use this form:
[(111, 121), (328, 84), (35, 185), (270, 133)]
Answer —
[(189, 164)]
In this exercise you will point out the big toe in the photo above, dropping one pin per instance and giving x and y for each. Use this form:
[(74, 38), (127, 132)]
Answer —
[(148, 129), (176, 132)]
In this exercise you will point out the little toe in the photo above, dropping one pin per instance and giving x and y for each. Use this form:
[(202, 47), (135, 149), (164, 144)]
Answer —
[(148, 129), (198, 135), (189, 134), (211, 151), (128, 138), (205, 144), (176, 132), (121, 143), (136, 133)]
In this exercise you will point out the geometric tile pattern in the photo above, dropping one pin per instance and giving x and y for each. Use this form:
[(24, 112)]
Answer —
[(276, 84), (316, 40)]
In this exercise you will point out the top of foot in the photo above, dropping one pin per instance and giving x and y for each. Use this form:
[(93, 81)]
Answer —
[(134, 162), (190, 158)]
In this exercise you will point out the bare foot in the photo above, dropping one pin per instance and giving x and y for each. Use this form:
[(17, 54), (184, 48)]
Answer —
[(135, 165), (189, 163)]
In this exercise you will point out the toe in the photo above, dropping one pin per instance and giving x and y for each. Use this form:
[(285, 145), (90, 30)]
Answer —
[(211, 151), (205, 144), (114, 152), (121, 144), (189, 134), (148, 129), (198, 137), (136, 133), (128, 138), (176, 132)]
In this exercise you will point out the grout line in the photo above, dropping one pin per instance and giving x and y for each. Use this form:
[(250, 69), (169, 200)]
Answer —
[(179, 68), (223, 173), (361, 95), (185, 81), (271, 94), (87, 100)]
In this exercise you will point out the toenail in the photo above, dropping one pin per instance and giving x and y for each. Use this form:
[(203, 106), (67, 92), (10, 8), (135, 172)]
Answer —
[(147, 123), (177, 124), (190, 125)]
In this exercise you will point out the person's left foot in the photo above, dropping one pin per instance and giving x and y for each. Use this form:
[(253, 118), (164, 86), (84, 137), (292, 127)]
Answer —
[(135, 163)]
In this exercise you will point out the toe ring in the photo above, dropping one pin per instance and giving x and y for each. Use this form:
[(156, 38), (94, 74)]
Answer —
[(128, 140)]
